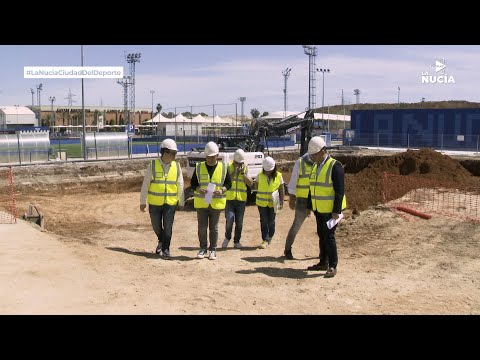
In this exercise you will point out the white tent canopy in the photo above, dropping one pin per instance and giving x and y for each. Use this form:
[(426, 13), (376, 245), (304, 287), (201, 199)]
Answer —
[(180, 118), (159, 118), (198, 119)]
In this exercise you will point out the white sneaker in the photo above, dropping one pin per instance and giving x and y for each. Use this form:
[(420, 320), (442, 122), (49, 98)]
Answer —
[(201, 253), (212, 255), (225, 243), (237, 245)]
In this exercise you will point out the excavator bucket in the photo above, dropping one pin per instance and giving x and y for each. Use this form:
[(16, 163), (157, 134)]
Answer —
[(34, 216)]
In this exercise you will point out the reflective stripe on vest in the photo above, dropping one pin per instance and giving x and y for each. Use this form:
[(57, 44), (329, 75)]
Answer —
[(218, 178), (303, 181), (163, 187), (321, 188), (265, 190), (238, 191)]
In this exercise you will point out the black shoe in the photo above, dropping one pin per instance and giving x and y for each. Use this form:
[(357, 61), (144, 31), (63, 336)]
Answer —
[(288, 255), (158, 250), (331, 272), (166, 254)]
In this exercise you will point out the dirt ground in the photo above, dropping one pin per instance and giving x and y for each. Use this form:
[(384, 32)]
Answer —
[(387, 265)]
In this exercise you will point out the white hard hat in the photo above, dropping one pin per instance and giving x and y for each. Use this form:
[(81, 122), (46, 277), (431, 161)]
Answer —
[(315, 145), (268, 164), (169, 144), (211, 149), (239, 156)]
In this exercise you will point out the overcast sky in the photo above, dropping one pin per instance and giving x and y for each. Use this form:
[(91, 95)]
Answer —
[(194, 75)]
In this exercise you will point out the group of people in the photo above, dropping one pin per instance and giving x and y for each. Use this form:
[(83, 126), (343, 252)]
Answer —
[(316, 184)]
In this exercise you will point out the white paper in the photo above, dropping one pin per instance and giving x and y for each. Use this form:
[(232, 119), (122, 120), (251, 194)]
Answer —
[(332, 222), (209, 194), (276, 201)]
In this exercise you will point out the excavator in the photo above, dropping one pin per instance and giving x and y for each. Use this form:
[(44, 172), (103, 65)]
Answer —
[(262, 129), (255, 142)]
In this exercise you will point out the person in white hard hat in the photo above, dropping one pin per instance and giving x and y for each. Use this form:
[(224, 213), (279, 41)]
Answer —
[(236, 199), (299, 199), (209, 205), (327, 192), (162, 188), (268, 181)]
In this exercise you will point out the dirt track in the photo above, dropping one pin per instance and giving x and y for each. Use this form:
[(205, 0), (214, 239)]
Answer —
[(387, 265)]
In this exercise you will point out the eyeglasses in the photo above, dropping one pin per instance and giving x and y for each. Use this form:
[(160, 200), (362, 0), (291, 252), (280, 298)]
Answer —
[(173, 152)]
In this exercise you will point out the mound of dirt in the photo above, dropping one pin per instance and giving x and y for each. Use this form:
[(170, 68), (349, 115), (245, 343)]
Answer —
[(364, 189)]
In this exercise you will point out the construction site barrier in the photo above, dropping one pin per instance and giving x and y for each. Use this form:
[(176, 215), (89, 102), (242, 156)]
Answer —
[(428, 196), (8, 206)]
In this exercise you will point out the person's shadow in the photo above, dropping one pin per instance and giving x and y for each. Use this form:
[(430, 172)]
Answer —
[(148, 255), (281, 272), (280, 259)]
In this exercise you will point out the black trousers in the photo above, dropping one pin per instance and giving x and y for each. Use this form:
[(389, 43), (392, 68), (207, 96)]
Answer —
[(326, 240)]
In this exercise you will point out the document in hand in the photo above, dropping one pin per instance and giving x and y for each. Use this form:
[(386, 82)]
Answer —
[(332, 222), (209, 194), (276, 201)]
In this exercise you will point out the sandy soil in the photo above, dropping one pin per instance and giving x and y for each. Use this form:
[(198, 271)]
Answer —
[(96, 257)]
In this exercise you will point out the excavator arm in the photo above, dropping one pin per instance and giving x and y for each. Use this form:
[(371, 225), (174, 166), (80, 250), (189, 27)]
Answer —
[(261, 130)]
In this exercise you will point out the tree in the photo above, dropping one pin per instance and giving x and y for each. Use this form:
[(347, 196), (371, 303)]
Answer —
[(46, 121), (159, 108), (265, 113), (255, 113)]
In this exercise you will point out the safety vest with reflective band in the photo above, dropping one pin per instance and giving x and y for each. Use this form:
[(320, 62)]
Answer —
[(265, 190), (238, 191), (163, 187), (218, 178), (321, 188), (303, 181)]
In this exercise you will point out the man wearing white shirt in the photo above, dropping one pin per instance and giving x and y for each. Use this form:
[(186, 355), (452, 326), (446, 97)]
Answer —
[(162, 188)]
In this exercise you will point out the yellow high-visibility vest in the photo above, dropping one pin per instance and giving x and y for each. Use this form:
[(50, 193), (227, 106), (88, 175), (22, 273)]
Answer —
[(163, 187), (218, 178), (303, 181), (238, 191), (265, 190), (321, 188)]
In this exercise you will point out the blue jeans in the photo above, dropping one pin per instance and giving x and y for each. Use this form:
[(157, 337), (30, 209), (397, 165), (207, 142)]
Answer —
[(301, 213), (234, 212), (208, 217), (162, 218), (267, 222)]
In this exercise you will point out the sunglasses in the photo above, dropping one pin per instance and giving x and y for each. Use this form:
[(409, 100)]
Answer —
[(173, 152)]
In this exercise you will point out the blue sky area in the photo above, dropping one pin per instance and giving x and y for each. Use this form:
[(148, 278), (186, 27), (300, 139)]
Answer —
[(193, 75)]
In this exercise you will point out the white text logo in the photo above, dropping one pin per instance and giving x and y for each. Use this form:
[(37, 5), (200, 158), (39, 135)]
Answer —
[(64, 72), (440, 76)]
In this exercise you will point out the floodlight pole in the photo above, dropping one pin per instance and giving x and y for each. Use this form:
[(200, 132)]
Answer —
[(83, 117)]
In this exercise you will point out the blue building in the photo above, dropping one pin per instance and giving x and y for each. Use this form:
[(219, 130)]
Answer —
[(456, 129)]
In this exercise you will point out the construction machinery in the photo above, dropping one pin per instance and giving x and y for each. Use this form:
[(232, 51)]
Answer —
[(254, 143), (262, 129)]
